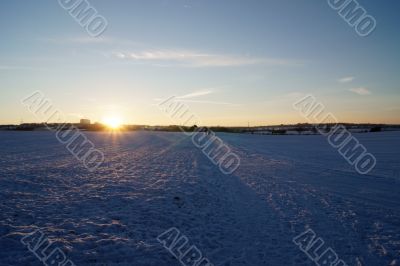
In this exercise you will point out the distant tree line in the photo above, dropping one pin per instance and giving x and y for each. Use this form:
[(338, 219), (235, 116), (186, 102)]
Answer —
[(300, 129)]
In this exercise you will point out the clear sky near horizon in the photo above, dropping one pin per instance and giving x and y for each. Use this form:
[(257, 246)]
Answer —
[(232, 62)]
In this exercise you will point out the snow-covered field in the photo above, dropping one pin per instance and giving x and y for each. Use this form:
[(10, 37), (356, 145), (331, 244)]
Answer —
[(152, 181)]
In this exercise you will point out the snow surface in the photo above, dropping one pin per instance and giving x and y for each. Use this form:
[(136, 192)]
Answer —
[(152, 181)]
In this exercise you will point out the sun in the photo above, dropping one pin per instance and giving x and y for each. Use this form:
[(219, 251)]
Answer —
[(112, 122)]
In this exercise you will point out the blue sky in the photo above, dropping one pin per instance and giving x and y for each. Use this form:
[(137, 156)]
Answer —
[(233, 61)]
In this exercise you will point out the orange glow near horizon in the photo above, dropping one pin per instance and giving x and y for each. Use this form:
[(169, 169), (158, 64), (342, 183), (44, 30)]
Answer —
[(113, 122)]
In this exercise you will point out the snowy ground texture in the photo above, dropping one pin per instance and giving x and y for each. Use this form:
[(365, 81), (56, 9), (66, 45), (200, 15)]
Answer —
[(152, 181)]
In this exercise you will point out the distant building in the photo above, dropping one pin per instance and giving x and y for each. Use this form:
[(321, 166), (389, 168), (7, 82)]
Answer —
[(85, 122)]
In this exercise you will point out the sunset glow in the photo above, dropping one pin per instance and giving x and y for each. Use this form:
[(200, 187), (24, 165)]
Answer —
[(113, 122)]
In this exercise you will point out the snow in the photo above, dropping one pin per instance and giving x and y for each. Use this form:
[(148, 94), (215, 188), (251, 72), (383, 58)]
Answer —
[(153, 181)]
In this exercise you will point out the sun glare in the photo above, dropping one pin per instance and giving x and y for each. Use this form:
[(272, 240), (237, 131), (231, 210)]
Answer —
[(112, 122)]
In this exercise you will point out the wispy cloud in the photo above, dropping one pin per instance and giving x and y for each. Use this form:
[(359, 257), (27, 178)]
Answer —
[(196, 94), (346, 79), (170, 57), (210, 102), (199, 59), (188, 98), (360, 91)]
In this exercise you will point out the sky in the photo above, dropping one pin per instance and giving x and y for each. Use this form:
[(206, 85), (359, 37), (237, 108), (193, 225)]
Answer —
[(232, 62)]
